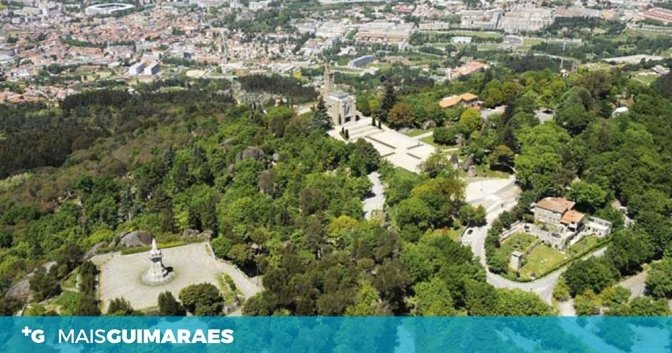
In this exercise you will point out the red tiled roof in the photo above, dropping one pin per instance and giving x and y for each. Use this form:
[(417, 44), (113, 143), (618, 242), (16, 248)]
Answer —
[(572, 216), (556, 204)]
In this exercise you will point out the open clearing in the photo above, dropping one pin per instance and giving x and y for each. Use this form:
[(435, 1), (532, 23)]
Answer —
[(193, 263)]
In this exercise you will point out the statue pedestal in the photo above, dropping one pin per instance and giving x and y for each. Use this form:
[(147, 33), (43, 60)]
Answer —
[(149, 278), (157, 274)]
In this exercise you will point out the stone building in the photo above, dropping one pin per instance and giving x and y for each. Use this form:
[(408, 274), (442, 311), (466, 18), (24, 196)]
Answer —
[(551, 211), (559, 225), (340, 105)]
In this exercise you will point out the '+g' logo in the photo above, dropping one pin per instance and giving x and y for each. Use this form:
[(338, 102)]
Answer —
[(37, 336)]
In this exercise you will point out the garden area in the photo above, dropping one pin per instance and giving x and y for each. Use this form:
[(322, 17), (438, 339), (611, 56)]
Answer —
[(583, 246), (517, 242), (540, 261)]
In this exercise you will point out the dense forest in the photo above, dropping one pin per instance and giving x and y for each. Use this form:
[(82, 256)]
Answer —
[(33, 135), (290, 88), (281, 197), (284, 200), (586, 153)]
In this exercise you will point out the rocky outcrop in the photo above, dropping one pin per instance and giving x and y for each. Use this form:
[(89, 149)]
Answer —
[(251, 152), (135, 239), (94, 250)]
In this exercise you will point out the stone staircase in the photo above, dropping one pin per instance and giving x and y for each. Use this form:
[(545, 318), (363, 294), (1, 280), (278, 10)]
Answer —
[(361, 130)]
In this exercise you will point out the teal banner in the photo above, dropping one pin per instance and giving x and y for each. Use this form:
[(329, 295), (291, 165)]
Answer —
[(332, 334)]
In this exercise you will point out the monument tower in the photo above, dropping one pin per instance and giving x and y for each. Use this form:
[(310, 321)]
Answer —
[(157, 273)]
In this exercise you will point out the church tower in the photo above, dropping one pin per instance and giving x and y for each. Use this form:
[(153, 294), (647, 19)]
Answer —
[(328, 82)]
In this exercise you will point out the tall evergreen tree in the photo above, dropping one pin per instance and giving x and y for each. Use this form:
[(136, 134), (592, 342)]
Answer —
[(321, 119), (169, 306)]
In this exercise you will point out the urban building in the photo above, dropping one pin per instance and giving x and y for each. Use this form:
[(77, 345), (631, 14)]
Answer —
[(465, 99), (658, 14), (136, 69), (362, 60)]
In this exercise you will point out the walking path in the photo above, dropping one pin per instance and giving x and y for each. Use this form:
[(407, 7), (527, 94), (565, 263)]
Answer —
[(376, 200)]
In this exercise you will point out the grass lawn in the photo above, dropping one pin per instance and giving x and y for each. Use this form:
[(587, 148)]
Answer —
[(486, 172), (516, 242), (542, 259), (477, 34), (453, 234), (430, 141), (583, 245), (66, 302), (416, 132), (70, 281), (398, 174), (487, 46), (645, 78), (530, 41)]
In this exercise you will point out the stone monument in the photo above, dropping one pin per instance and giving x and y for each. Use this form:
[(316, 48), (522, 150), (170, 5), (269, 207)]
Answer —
[(516, 260), (157, 274)]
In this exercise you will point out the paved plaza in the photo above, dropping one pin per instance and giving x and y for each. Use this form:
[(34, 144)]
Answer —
[(194, 263), (400, 150)]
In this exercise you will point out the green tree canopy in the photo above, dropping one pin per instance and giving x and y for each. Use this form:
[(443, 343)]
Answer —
[(202, 299)]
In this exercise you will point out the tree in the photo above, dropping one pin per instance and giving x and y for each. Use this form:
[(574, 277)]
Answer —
[(517, 302), (481, 298), (629, 249), (221, 246), (561, 290), (367, 302), (400, 115), (414, 211), (574, 114), (240, 254), (445, 136), (202, 299), (363, 104), (437, 164), (44, 284), (470, 121), (68, 259), (257, 305), (643, 306), (321, 119), (364, 158), (472, 216), (119, 307), (588, 196), (278, 117), (587, 303), (501, 156), (312, 200), (659, 279), (433, 299), (615, 295), (87, 305), (664, 85), (595, 274), (389, 98), (169, 306), (493, 95)]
